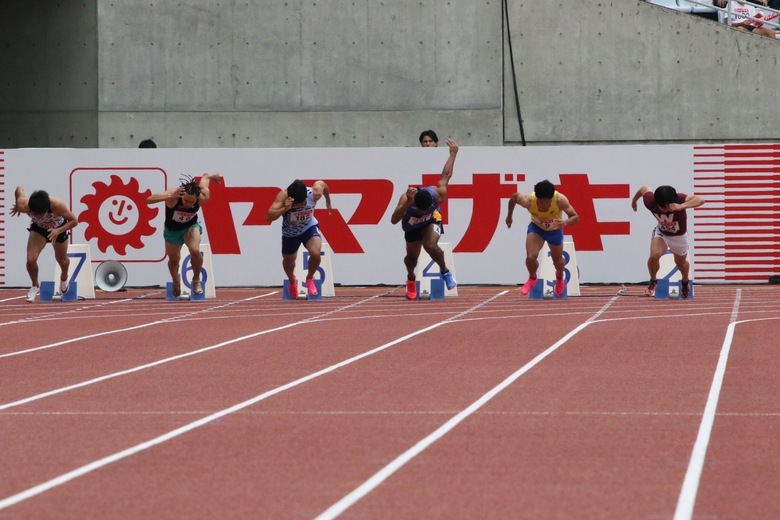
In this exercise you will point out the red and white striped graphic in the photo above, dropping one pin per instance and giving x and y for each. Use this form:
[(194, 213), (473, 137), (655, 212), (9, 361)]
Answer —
[(738, 228)]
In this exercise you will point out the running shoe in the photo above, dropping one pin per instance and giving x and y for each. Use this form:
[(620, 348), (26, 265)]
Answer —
[(311, 287), (64, 286), (449, 280), (650, 289), (197, 287), (527, 286), (32, 293), (292, 288), (411, 290), (685, 290), (560, 286)]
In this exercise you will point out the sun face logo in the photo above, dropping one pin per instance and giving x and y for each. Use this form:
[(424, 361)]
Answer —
[(117, 215)]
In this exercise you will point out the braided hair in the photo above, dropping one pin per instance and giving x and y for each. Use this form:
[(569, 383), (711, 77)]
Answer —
[(190, 186)]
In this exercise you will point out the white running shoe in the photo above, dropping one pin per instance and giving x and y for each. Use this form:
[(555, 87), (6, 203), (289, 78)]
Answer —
[(32, 293), (64, 286)]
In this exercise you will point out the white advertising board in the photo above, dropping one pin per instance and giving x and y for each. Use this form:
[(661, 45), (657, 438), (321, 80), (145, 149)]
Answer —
[(107, 190)]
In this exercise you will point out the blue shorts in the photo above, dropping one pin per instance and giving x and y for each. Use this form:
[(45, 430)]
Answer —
[(290, 245), (554, 238), (177, 236)]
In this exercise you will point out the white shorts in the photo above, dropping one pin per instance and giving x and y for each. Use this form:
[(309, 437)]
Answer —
[(678, 244)]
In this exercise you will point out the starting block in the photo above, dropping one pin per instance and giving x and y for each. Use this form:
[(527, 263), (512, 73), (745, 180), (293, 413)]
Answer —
[(183, 296), (47, 293), (438, 290), (303, 293), (546, 291), (671, 290)]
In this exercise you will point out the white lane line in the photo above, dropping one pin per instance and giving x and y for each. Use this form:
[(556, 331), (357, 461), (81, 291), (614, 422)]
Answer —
[(383, 474), (690, 487), (138, 368), (88, 468), (127, 329)]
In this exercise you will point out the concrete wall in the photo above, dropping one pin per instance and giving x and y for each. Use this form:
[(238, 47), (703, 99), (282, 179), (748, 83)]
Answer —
[(48, 92), (628, 71), (256, 73), (289, 74)]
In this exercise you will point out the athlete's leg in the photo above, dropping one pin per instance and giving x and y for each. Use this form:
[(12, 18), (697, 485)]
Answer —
[(174, 256), (288, 264), (657, 250), (410, 260), (314, 247), (559, 261), (192, 241), (35, 244), (533, 244), (430, 243), (61, 256), (681, 261)]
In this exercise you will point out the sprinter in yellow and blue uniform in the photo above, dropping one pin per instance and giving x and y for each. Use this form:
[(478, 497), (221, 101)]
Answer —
[(546, 206)]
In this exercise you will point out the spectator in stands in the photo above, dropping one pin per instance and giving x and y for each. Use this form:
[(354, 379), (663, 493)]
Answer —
[(429, 139), (743, 16), (147, 143)]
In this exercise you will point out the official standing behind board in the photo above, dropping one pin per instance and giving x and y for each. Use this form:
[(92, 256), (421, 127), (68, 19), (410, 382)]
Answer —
[(299, 226), (50, 221), (668, 207), (418, 212)]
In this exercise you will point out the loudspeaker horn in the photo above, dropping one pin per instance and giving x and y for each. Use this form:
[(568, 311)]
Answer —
[(111, 276)]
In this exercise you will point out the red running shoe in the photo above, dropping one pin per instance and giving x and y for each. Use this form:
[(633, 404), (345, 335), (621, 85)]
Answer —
[(292, 288), (411, 290), (650, 289), (528, 286), (311, 287), (560, 286)]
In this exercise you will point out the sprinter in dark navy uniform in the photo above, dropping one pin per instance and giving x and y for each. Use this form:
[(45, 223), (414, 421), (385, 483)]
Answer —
[(418, 212)]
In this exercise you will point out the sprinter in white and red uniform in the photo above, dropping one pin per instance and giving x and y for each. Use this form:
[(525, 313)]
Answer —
[(50, 221), (669, 209), (181, 225), (299, 226), (418, 212)]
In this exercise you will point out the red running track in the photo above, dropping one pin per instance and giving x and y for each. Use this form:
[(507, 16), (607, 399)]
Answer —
[(486, 405)]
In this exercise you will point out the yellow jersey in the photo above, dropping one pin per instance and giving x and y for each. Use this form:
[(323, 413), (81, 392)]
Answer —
[(543, 218)]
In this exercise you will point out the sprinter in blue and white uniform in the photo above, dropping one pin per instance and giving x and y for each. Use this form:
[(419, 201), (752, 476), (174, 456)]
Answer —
[(299, 226)]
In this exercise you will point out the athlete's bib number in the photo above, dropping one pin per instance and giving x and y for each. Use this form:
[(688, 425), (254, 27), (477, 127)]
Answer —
[(182, 216), (302, 216)]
